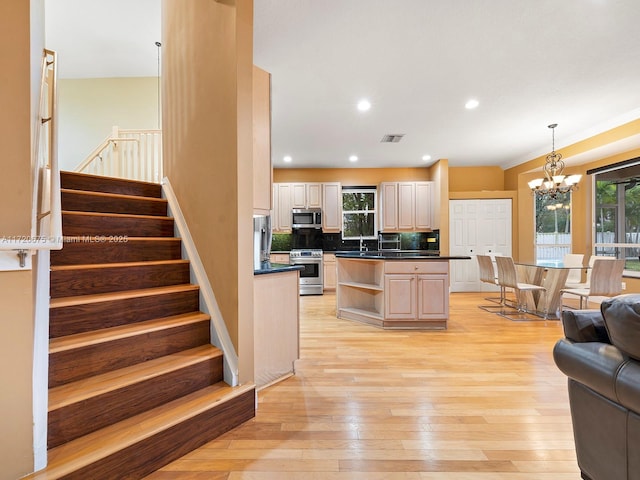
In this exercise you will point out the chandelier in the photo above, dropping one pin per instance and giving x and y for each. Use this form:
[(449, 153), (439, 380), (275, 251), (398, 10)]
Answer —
[(555, 182)]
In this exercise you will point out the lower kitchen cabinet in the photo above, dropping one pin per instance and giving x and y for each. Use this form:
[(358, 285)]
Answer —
[(329, 271), (279, 258)]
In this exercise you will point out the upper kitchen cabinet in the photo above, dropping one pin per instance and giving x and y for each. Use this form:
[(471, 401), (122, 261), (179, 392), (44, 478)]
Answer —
[(306, 195), (406, 206), (281, 217), (262, 168), (331, 207)]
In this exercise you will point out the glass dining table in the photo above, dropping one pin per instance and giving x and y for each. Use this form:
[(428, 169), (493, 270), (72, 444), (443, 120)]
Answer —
[(552, 276)]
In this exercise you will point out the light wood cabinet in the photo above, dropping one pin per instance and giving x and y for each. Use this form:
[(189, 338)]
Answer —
[(402, 294), (406, 206), (331, 207), (329, 271), (279, 258), (262, 168), (281, 217), (424, 206), (306, 195), (400, 297)]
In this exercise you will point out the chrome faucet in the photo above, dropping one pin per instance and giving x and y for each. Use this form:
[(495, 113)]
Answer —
[(363, 247)]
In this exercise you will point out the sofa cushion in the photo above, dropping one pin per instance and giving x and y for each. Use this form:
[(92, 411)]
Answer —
[(622, 321)]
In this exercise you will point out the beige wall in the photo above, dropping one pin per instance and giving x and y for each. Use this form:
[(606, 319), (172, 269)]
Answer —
[(472, 179), (17, 45), (90, 107), (207, 150)]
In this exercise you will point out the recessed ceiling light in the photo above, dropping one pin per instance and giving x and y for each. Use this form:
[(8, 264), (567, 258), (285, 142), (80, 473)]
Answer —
[(471, 104), (353, 158), (364, 105), (287, 158), (426, 157)]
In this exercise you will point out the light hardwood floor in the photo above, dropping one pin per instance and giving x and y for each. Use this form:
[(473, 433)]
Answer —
[(482, 400)]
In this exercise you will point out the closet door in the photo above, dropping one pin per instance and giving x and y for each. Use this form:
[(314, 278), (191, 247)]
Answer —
[(477, 227)]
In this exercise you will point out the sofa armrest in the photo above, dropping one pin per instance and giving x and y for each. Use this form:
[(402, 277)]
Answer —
[(594, 364), (584, 326)]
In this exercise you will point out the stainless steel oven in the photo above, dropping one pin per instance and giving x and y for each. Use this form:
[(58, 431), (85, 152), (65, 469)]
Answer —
[(311, 278)]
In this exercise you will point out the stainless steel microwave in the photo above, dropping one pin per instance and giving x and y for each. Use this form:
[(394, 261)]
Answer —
[(306, 218)]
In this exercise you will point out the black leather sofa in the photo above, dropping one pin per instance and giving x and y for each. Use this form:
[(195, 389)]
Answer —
[(600, 355)]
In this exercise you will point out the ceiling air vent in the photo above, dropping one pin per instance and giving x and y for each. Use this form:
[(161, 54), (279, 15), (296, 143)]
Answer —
[(392, 138)]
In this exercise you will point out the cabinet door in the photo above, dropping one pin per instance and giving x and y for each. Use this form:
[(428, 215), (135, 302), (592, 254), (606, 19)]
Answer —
[(298, 195), (331, 207), (329, 271), (433, 297), (314, 195), (406, 205), (284, 207), (400, 297), (262, 171), (389, 205), (424, 206)]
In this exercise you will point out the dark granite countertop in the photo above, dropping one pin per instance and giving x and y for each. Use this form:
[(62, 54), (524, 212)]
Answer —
[(402, 255), (268, 267)]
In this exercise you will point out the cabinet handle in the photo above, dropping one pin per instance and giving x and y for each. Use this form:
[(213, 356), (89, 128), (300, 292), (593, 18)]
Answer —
[(415, 267)]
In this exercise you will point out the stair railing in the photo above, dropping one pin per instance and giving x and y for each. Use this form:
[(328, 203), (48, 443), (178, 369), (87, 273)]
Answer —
[(130, 154), (46, 218)]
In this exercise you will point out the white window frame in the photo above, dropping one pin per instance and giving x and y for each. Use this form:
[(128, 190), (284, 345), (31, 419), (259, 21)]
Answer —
[(366, 211)]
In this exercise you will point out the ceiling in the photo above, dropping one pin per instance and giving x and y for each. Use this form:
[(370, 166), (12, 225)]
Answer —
[(528, 63)]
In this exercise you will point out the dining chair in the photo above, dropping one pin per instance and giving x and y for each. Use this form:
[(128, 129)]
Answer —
[(587, 281), (488, 275), (573, 261), (508, 278), (605, 281)]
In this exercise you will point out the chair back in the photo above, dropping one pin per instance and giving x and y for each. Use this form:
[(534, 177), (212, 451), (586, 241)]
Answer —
[(606, 278), (507, 276), (592, 259), (487, 272), (573, 260)]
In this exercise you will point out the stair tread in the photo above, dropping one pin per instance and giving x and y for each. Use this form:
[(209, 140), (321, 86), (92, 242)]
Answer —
[(84, 266), (118, 215), (114, 195), (85, 388), (94, 337), (62, 302), (82, 451)]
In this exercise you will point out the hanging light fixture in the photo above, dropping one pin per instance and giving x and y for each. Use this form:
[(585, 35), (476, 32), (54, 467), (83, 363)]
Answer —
[(555, 182)]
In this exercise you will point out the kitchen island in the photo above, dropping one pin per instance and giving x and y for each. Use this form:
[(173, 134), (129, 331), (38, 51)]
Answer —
[(394, 290)]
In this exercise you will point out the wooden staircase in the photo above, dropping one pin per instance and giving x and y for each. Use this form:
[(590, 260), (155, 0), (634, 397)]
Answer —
[(134, 382)]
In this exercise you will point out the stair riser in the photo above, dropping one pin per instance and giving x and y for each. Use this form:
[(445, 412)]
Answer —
[(83, 225), (114, 250), (78, 181), (85, 318), (97, 412), (82, 202), (85, 281), (84, 362), (143, 458)]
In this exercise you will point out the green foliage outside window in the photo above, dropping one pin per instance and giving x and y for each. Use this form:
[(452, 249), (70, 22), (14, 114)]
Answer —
[(358, 214)]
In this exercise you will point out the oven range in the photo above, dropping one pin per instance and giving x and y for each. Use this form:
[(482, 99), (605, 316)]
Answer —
[(311, 281)]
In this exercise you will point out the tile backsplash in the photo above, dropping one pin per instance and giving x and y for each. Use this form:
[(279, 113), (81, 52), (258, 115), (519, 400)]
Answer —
[(281, 242)]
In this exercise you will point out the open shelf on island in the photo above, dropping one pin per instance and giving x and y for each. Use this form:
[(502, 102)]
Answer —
[(361, 314), (364, 286)]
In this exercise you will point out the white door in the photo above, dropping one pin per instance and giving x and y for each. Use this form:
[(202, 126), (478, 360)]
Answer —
[(478, 227)]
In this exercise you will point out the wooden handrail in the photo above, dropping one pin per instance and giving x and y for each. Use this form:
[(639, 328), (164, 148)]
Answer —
[(46, 218)]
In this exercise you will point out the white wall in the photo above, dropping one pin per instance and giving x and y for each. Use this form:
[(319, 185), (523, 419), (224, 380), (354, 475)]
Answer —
[(89, 108)]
